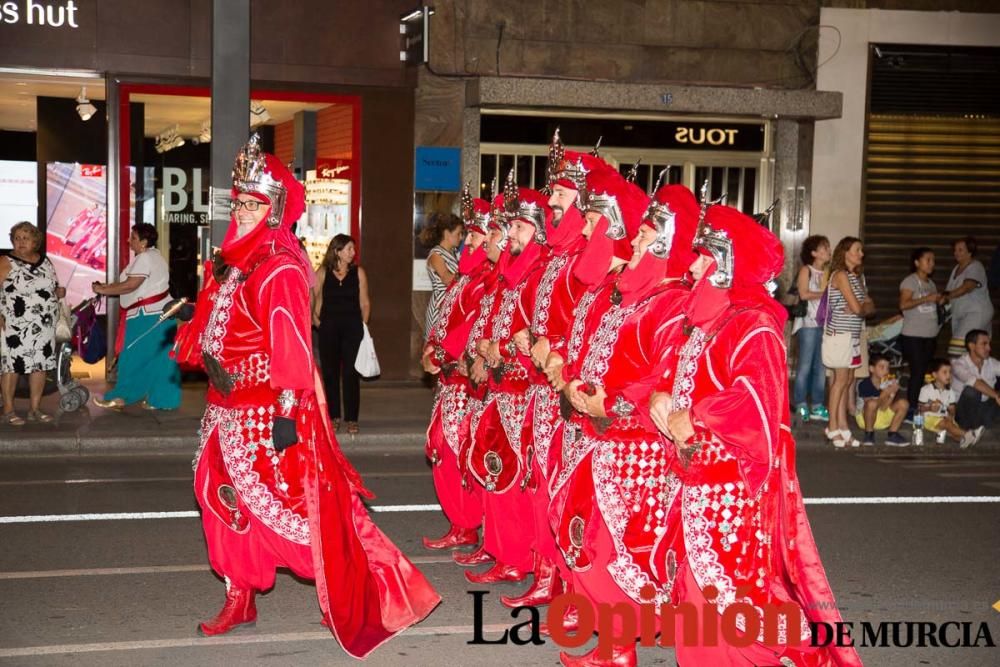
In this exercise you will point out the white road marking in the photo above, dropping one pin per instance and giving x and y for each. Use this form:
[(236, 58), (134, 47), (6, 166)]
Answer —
[(187, 642), (191, 514), (158, 569), (904, 500), (188, 478), (107, 480)]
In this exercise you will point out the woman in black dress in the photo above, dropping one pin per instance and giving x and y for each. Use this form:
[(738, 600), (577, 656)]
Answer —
[(340, 309)]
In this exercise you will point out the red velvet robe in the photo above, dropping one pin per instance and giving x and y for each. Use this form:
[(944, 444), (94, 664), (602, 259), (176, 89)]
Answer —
[(455, 401), (300, 508), (615, 484), (744, 523)]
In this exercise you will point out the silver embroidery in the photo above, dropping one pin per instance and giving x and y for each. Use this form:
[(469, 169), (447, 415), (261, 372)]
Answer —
[(479, 326), (545, 421), (505, 315), (242, 433), (543, 295), (630, 479), (447, 305), (579, 324), (602, 344), (218, 320)]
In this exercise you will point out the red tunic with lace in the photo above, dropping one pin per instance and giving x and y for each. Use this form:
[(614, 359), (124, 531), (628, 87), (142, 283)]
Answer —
[(494, 459), (615, 474), (299, 508), (744, 526), (455, 401)]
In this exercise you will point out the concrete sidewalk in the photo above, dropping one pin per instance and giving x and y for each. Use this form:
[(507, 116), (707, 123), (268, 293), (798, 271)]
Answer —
[(393, 418)]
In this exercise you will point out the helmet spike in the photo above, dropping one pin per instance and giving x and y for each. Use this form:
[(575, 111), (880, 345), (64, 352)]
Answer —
[(633, 172), (596, 152)]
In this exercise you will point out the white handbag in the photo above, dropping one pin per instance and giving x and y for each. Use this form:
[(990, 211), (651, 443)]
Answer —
[(367, 362)]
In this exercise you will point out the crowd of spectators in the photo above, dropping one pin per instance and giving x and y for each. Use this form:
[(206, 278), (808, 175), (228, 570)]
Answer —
[(957, 395)]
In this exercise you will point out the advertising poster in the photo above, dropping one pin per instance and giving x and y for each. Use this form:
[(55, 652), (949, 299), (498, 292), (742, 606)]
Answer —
[(77, 226), (18, 196)]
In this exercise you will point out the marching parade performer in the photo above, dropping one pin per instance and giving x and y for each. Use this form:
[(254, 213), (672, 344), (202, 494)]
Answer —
[(273, 486), (615, 484), (444, 356), (494, 458), (744, 539), (556, 292)]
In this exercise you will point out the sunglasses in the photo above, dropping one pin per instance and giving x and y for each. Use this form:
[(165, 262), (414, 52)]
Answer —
[(251, 205)]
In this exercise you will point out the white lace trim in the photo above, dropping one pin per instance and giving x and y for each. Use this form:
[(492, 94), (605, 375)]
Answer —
[(505, 315), (543, 295), (629, 479), (242, 433), (602, 344), (579, 326), (218, 320)]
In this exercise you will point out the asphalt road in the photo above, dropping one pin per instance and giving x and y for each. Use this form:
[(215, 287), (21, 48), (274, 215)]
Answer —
[(130, 592)]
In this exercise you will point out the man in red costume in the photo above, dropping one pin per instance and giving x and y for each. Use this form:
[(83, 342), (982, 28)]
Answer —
[(274, 488), (454, 401), (745, 537), (555, 292), (616, 484), (495, 457)]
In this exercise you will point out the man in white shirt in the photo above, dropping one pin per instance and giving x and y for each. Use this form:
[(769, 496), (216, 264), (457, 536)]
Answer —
[(975, 381)]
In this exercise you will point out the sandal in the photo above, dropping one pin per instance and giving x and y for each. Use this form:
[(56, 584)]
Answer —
[(11, 419), (39, 416), (352, 428), (335, 423)]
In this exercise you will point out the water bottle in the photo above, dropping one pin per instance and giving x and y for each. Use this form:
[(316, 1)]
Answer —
[(918, 429)]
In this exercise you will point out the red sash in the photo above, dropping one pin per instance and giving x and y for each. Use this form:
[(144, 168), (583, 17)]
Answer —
[(120, 335)]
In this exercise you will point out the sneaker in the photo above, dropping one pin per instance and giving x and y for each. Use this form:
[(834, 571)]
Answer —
[(802, 412), (896, 440), (819, 413), (941, 436), (909, 416), (869, 440), (968, 439)]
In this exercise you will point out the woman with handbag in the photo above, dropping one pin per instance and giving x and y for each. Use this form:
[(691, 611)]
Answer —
[(810, 376), (847, 306), (341, 309), (29, 293), (919, 300)]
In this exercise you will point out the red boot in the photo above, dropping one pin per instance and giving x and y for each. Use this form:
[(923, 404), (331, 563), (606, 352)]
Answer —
[(455, 537), (570, 622), (239, 609), (546, 586), (621, 656), (499, 572), (472, 558)]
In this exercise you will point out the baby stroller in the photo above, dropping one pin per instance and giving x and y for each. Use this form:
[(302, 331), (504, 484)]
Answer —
[(883, 339), (86, 331)]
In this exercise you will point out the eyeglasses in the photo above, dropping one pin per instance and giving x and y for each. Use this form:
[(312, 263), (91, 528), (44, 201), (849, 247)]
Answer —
[(251, 205)]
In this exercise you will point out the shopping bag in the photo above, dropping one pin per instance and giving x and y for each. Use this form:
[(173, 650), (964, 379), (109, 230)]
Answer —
[(367, 362)]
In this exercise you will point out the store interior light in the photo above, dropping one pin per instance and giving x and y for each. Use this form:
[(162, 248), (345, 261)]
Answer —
[(83, 105), (169, 139), (258, 114)]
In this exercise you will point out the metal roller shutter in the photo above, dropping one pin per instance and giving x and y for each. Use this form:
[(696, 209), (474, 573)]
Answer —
[(934, 176)]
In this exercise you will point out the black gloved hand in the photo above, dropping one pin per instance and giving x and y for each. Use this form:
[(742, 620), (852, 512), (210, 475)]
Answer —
[(283, 433)]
